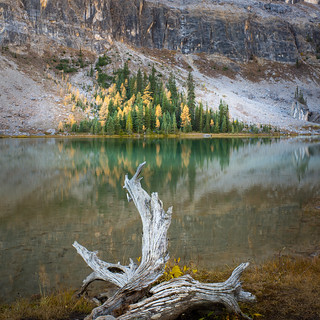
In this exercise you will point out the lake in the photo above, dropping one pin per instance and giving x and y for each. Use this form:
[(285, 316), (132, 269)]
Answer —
[(234, 200)]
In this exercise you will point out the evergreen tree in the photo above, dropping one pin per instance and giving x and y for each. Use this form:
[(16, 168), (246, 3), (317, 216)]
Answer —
[(153, 82), (224, 127), (139, 82), (125, 71), (131, 90), (207, 124), (196, 119), (110, 125), (129, 123), (201, 118), (140, 118), (172, 87), (216, 125), (147, 118), (174, 127), (117, 125), (164, 125), (145, 79), (191, 97), (134, 115)]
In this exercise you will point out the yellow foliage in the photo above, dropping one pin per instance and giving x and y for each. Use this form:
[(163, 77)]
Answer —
[(157, 123), (118, 99), (104, 110), (168, 94), (211, 123), (123, 91), (176, 272), (173, 269), (60, 126), (185, 117), (146, 97), (112, 90), (71, 120), (158, 111), (98, 100), (130, 102), (120, 114)]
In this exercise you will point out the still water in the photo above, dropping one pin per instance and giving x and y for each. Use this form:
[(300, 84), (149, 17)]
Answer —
[(233, 200)]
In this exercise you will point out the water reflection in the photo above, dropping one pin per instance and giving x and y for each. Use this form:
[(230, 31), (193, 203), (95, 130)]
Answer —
[(233, 199)]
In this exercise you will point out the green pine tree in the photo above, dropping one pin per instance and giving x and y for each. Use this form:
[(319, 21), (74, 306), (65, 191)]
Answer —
[(191, 97), (129, 123)]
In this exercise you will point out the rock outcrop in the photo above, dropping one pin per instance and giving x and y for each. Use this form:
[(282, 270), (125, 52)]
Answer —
[(301, 111), (237, 29), (314, 117)]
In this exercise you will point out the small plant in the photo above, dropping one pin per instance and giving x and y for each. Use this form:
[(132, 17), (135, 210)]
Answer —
[(174, 269), (103, 61)]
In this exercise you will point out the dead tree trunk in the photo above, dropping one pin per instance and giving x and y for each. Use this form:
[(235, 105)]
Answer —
[(166, 300)]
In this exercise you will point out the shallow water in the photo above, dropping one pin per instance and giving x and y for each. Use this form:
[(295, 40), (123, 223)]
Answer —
[(233, 200)]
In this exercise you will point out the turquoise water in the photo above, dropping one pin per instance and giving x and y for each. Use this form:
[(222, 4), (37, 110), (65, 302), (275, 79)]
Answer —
[(234, 200)]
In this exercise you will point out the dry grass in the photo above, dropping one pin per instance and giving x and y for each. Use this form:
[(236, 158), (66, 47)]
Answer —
[(60, 305), (287, 288)]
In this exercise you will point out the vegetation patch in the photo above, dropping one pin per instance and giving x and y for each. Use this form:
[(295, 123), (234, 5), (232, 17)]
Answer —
[(125, 103), (286, 288), (59, 305)]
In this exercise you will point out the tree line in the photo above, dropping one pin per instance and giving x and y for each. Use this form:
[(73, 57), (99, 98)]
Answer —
[(128, 103)]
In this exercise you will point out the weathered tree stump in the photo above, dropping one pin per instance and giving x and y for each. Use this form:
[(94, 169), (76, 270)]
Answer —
[(166, 300)]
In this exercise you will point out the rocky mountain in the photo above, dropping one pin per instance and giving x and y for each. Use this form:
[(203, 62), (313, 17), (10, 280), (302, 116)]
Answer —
[(252, 54), (238, 29)]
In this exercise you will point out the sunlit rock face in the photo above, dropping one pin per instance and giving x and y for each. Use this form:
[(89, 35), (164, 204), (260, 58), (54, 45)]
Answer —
[(237, 29)]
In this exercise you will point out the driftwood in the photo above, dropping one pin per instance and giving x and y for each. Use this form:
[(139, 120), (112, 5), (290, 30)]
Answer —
[(135, 299)]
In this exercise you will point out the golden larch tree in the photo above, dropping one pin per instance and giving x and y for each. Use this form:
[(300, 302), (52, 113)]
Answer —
[(185, 117)]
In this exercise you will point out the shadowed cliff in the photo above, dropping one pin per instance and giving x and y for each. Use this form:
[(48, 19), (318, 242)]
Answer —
[(239, 30)]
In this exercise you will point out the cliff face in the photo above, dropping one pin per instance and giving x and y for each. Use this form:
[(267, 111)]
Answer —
[(238, 29)]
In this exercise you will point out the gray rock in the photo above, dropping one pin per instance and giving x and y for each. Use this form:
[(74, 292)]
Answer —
[(51, 131), (268, 31), (300, 111), (314, 117)]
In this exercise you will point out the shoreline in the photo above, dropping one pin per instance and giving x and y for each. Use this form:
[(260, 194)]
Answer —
[(164, 136), (285, 287)]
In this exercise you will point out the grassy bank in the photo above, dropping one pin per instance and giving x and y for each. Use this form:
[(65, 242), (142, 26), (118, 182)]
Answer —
[(287, 288), (189, 135)]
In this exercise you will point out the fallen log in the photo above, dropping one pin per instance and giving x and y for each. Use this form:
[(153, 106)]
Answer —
[(135, 298)]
